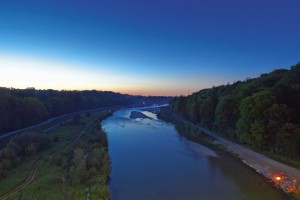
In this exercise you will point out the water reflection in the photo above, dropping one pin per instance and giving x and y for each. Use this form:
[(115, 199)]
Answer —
[(151, 161)]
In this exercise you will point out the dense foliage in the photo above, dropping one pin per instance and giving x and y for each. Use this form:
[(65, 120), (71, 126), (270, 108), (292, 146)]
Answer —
[(20, 108), (78, 153), (22, 146), (89, 162), (263, 112)]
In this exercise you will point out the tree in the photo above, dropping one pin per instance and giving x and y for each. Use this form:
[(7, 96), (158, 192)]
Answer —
[(260, 112), (33, 111), (95, 158), (31, 149), (207, 111), (179, 105), (261, 118), (78, 171), (192, 109), (226, 115), (288, 140), (251, 127)]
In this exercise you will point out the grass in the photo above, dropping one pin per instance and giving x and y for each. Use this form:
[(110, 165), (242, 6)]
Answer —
[(59, 121), (19, 174), (54, 122), (293, 163), (49, 182), (46, 186), (16, 176)]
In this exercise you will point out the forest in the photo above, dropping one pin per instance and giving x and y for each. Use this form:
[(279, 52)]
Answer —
[(74, 156), (262, 112), (21, 108)]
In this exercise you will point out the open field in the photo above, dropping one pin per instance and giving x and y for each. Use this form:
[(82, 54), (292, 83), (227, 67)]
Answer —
[(47, 170)]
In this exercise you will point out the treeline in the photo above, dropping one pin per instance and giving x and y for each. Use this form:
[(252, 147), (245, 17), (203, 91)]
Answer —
[(20, 108), (263, 112)]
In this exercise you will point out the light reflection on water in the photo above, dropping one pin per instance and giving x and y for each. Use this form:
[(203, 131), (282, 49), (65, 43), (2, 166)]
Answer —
[(151, 161)]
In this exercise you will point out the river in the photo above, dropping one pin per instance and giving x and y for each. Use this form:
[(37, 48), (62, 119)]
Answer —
[(150, 160)]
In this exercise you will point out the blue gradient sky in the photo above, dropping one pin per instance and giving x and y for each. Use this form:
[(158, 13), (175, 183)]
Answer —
[(149, 47)]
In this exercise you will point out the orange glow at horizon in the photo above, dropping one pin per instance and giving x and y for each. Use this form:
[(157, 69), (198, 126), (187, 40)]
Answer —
[(21, 72)]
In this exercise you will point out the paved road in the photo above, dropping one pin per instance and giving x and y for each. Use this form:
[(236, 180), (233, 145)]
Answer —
[(2, 136), (38, 162), (262, 164)]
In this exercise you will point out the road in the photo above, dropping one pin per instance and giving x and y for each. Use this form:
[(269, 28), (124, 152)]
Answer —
[(5, 135), (289, 176), (38, 162)]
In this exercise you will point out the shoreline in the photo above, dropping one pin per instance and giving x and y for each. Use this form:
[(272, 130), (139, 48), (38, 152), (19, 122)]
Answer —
[(201, 149), (138, 115), (282, 176)]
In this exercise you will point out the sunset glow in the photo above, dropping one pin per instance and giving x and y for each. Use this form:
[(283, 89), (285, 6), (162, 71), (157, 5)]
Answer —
[(22, 72), (143, 47)]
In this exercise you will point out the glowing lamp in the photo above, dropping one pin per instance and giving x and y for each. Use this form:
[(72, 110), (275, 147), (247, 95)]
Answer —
[(277, 178)]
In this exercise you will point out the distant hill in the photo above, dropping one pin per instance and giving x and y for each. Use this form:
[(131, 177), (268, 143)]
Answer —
[(263, 112), (20, 108)]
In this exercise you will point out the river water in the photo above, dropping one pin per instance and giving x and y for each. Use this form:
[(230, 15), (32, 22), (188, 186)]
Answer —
[(150, 160)]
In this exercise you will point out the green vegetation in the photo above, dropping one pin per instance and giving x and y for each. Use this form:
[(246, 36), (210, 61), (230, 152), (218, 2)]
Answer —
[(191, 131), (261, 112), (20, 147), (73, 165), (21, 108), (186, 129)]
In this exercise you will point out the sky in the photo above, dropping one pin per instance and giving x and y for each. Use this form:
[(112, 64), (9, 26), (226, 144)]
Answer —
[(147, 47)]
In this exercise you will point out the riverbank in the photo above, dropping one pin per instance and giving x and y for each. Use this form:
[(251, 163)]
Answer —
[(201, 150), (281, 175), (56, 166), (152, 161), (137, 114)]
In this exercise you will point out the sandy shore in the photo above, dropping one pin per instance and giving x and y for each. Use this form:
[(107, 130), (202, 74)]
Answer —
[(137, 114), (284, 176), (201, 150)]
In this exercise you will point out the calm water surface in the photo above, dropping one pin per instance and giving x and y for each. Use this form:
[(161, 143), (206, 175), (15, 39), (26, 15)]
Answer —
[(151, 161)]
